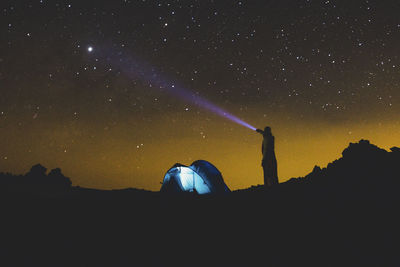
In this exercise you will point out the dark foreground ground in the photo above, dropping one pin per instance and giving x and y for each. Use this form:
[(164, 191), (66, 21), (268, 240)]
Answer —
[(343, 215)]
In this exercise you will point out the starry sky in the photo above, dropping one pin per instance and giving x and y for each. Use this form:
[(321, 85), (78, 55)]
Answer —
[(73, 94)]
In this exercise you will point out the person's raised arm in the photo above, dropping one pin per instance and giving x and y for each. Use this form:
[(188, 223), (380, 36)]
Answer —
[(260, 131)]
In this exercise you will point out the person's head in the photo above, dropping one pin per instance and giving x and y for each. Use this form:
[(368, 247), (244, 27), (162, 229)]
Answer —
[(267, 130)]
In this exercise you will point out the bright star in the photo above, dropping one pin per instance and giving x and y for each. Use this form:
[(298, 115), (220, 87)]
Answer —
[(90, 49)]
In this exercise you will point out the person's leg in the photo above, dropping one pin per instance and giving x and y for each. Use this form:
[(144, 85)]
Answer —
[(267, 175), (274, 175), (265, 170)]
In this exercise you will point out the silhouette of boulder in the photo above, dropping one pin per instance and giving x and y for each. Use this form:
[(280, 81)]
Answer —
[(55, 172), (395, 149), (36, 182), (316, 170), (362, 149), (37, 170), (58, 179)]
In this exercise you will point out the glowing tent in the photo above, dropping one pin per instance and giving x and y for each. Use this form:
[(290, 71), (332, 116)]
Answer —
[(200, 177)]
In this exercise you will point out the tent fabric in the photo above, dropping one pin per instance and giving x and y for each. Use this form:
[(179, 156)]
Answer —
[(211, 175), (201, 177)]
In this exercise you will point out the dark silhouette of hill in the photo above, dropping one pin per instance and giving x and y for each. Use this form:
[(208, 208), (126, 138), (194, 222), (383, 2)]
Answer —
[(35, 182), (363, 168), (341, 215)]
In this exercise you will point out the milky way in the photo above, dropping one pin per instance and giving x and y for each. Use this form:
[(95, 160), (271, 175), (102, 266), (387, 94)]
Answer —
[(320, 73)]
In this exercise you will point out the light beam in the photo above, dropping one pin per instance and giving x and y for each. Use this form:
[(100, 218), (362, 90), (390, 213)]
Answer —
[(133, 68)]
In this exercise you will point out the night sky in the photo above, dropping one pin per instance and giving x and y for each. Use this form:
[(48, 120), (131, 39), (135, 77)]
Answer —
[(79, 87)]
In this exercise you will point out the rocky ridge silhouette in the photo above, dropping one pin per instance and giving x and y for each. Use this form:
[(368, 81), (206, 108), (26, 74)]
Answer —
[(342, 215)]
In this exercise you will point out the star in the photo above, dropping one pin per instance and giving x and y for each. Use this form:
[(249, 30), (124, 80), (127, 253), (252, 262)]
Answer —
[(111, 63)]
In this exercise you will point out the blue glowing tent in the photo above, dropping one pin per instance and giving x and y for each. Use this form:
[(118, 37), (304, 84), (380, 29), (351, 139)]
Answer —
[(201, 177)]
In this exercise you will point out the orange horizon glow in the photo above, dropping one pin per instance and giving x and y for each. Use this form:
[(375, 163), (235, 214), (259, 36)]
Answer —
[(114, 159)]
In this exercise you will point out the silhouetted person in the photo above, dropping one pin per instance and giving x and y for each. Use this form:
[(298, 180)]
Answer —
[(269, 162)]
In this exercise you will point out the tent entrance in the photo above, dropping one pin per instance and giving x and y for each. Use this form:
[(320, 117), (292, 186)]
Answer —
[(191, 181)]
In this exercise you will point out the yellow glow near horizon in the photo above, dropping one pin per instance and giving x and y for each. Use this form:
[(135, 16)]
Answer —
[(114, 159)]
